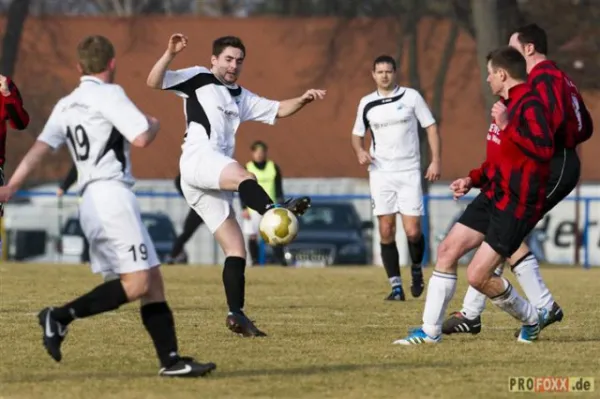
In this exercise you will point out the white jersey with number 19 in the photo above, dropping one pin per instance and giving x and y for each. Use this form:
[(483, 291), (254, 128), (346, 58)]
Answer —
[(98, 121), (393, 123), (94, 120)]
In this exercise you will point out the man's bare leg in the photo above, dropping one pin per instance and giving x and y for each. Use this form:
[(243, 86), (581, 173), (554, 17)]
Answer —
[(480, 275), (442, 283)]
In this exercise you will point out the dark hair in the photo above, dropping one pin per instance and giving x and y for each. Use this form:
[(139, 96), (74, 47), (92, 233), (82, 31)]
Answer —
[(533, 34), (259, 144), (222, 43), (94, 53), (384, 59), (509, 59)]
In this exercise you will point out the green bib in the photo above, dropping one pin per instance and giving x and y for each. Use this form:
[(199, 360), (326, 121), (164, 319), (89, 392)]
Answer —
[(265, 177)]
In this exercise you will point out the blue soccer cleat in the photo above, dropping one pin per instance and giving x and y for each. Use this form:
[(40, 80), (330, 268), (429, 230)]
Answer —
[(531, 333)]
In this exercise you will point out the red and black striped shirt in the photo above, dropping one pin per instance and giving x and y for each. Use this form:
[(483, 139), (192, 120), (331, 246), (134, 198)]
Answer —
[(516, 169), (11, 109), (570, 119)]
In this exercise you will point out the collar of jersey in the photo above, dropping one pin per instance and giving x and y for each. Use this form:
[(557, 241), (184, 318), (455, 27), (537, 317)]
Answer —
[(516, 92), (233, 86), (91, 79), (542, 65), (395, 91)]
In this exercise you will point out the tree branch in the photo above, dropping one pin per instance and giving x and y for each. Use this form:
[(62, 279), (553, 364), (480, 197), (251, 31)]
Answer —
[(440, 78), (17, 14)]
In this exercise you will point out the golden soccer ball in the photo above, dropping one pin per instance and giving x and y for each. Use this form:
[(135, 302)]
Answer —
[(278, 226)]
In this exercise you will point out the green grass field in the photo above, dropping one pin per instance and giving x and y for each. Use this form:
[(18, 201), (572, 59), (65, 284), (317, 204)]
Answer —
[(330, 335)]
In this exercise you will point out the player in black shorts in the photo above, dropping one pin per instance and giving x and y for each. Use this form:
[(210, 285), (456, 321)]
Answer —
[(572, 124), (512, 181)]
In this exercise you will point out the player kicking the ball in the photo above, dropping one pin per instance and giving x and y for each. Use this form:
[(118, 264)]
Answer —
[(572, 124), (99, 122), (513, 182), (391, 113), (214, 107)]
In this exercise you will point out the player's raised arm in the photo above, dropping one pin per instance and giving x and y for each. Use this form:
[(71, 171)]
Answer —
[(177, 42), (293, 105)]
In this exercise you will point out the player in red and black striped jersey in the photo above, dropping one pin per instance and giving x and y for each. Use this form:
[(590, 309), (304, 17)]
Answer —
[(11, 110), (512, 181), (572, 124)]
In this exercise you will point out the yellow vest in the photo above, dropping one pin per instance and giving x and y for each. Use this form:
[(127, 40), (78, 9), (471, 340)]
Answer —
[(265, 177)]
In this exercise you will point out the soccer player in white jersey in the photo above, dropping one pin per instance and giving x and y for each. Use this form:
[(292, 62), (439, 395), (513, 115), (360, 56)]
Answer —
[(214, 107), (391, 113), (98, 122)]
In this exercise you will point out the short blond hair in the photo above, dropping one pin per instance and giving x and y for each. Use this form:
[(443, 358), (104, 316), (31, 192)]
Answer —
[(94, 54)]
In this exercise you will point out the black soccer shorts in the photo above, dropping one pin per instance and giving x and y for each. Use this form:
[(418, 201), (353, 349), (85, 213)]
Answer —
[(503, 231)]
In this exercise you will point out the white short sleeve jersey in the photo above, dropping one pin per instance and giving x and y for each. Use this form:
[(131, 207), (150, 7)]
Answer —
[(214, 110), (97, 121), (392, 121)]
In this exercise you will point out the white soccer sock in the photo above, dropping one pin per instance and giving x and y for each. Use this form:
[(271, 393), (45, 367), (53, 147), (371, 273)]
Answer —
[(515, 305), (528, 275), (474, 302), (440, 291), (395, 281)]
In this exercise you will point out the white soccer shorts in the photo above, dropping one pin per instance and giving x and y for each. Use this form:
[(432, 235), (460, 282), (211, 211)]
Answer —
[(200, 176), (110, 219), (250, 226), (396, 192)]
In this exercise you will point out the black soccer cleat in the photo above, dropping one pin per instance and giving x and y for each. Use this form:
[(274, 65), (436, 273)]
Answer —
[(53, 333), (457, 323), (298, 206), (397, 294), (240, 324), (417, 286), (553, 316), (187, 367)]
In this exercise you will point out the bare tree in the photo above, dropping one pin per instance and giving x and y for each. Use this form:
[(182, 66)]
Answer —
[(17, 14), (487, 37)]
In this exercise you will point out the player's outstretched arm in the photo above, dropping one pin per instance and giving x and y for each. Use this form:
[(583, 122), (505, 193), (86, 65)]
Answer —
[(32, 159), (177, 42), (293, 105)]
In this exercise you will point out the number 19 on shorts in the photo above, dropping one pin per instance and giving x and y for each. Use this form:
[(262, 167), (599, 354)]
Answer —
[(139, 252)]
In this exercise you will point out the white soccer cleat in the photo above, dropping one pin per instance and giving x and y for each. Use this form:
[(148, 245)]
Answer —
[(418, 337)]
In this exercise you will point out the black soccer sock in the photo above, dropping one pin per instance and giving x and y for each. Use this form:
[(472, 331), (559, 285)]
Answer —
[(253, 248), (254, 196), (158, 320), (391, 260), (234, 282), (190, 225), (104, 298), (417, 250), (279, 255)]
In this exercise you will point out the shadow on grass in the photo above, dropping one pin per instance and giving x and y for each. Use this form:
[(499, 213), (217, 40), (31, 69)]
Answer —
[(259, 372)]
